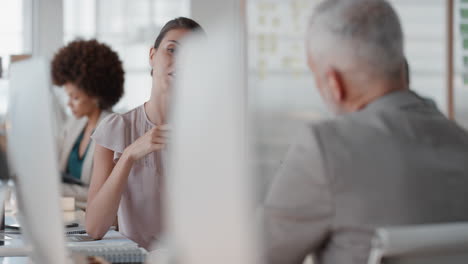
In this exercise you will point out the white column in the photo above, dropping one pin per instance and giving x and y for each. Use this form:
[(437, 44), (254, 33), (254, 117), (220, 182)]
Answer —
[(43, 27)]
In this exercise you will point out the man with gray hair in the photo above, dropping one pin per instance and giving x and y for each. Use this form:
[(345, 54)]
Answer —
[(389, 157)]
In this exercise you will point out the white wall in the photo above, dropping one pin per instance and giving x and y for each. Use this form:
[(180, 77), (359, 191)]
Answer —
[(46, 27)]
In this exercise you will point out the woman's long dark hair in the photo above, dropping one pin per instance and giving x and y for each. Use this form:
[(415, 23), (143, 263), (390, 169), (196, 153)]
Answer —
[(177, 23)]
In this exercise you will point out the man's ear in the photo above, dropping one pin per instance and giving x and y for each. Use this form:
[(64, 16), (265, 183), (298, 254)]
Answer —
[(336, 85)]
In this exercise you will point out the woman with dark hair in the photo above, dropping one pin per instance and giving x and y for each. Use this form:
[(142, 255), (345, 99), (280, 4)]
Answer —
[(93, 78), (130, 149)]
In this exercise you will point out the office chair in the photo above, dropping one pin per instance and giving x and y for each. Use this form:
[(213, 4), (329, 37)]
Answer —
[(428, 244)]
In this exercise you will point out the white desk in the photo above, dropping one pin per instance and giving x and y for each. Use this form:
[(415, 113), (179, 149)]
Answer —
[(13, 250)]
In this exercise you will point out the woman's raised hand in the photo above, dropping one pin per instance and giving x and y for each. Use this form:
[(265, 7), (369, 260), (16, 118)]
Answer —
[(153, 140)]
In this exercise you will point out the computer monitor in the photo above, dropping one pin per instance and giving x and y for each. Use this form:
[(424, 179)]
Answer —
[(210, 192), (32, 154)]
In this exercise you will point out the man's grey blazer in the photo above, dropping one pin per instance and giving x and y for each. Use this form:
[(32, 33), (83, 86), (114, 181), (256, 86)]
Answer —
[(399, 161)]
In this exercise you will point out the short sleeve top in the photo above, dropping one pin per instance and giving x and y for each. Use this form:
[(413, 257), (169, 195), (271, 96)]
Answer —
[(140, 206)]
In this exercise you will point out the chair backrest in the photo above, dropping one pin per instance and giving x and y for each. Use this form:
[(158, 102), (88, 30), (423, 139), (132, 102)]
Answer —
[(428, 244)]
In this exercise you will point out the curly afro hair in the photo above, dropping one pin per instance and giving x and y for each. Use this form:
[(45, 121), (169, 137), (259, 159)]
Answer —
[(93, 67)]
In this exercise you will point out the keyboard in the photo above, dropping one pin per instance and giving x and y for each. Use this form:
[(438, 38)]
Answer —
[(79, 238)]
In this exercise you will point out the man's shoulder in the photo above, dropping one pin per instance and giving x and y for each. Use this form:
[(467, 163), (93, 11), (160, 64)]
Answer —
[(333, 126), (355, 131), (401, 126)]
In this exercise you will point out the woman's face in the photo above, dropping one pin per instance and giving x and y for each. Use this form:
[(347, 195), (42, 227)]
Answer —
[(162, 59), (79, 102)]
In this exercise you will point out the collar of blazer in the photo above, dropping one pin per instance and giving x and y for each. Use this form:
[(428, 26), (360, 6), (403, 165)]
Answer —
[(73, 129), (398, 100), (80, 124)]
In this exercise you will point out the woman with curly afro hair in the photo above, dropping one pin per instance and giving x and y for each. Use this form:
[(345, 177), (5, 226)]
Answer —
[(93, 78), (130, 151)]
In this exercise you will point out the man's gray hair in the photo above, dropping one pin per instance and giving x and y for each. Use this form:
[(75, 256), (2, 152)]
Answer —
[(357, 33)]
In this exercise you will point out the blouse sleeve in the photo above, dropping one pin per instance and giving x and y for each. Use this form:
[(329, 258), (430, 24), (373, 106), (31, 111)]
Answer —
[(112, 133)]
